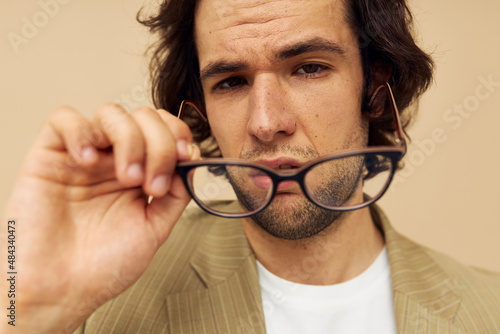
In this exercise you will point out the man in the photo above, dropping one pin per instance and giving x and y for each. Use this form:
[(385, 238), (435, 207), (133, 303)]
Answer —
[(282, 83)]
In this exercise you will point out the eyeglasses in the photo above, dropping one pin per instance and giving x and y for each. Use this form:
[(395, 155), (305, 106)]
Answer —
[(342, 181)]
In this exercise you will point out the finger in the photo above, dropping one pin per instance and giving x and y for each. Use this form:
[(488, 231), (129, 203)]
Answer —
[(67, 130), (181, 134), (196, 153), (57, 165), (163, 212), (122, 133), (161, 152)]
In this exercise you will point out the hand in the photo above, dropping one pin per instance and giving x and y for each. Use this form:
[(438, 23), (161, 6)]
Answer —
[(85, 227)]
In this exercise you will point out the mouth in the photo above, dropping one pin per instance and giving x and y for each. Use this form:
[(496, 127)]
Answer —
[(264, 182), (284, 165), (281, 163)]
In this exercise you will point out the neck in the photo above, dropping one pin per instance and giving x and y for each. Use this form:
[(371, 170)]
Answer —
[(337, 254)]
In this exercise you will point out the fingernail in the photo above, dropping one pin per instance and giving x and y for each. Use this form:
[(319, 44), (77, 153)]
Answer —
[(190, 150), (88, 153), (135, 171), (159, 186), (183, 149)]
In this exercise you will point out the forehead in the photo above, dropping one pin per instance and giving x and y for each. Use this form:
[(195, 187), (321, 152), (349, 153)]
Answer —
[(253, 28)]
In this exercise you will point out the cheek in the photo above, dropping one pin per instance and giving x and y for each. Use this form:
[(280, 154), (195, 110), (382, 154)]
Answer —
[(335, 122), (228, 132)]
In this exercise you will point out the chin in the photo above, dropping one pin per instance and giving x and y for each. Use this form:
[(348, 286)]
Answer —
[(293, 217)]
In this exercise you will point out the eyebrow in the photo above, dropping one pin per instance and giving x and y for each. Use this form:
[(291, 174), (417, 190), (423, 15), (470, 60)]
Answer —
[(221, 67), (316, 44), (312, 45)]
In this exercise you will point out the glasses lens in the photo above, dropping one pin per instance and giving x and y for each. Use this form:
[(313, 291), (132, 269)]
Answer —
[(349, 181), (217, 186)]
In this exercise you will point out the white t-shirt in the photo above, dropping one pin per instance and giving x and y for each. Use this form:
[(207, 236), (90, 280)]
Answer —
[(361, 305)]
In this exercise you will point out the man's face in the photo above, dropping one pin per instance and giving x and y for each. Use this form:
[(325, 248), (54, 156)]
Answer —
[(282, 82)]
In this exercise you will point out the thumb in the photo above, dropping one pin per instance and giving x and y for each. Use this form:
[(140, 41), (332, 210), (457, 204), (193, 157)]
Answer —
[(165, 211)]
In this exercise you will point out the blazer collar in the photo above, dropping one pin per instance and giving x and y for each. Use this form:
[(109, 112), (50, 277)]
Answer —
[(222, 252), (426, 299), (231, 302)]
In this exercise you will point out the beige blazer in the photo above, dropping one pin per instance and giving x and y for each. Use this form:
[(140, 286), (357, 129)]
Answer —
[(204, 280)]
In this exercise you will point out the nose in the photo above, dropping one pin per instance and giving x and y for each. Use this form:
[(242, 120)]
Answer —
[(269, 116)]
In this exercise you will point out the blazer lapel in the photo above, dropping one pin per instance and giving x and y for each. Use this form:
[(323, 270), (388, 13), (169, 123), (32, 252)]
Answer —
[(426, 299), (231, 302)]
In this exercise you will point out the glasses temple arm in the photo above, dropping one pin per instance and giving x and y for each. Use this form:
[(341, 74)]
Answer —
[(195, 107), (398, 132)]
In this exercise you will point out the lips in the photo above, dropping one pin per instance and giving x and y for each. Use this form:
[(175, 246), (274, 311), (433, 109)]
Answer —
[(264, 182), (281, 164), (286, 167)]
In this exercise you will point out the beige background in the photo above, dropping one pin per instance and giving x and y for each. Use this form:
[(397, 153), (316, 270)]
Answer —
[(88, 52)]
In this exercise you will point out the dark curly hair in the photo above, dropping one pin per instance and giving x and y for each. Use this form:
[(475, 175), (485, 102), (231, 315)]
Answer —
[(384, 30)]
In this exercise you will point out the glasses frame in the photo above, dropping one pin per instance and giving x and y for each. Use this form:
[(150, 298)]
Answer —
[(395, 154)]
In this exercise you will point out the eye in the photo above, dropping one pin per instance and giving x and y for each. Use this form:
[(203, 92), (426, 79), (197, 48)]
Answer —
[(311, 70), (229, 84)]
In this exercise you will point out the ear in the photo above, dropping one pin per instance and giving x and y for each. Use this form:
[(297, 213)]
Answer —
[(380, 74)]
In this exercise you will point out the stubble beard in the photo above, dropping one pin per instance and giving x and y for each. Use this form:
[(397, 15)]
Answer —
[(294, 217), (301, 220)]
